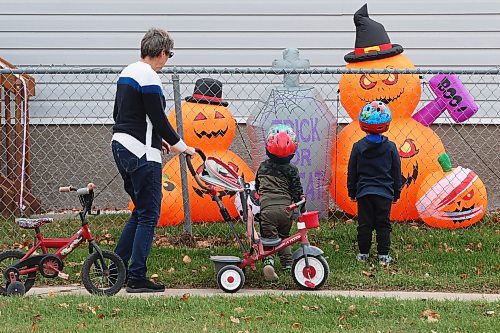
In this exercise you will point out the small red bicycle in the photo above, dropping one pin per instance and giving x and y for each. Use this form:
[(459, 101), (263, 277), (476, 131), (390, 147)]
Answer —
[(103, 271)]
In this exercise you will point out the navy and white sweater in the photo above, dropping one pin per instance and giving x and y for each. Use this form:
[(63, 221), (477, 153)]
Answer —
[(139, 113)]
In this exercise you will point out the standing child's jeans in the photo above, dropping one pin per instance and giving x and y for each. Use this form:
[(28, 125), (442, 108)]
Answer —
[(277, 222), (373, 213)]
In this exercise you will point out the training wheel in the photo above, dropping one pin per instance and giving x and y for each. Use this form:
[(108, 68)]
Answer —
[(230, 278), (312, 277), (16, 288)]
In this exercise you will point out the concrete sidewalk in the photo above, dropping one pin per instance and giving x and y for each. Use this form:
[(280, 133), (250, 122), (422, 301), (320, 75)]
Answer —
[(80, 290)]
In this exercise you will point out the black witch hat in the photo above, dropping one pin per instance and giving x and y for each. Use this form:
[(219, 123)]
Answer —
[(372, 41), (207, 91)]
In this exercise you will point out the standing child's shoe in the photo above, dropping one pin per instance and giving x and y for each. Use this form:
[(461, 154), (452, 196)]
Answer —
[(384, 259), (268, 270), (362, 257)]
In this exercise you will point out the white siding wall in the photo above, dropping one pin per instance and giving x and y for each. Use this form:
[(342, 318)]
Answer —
[(227, 33), (244, 33)]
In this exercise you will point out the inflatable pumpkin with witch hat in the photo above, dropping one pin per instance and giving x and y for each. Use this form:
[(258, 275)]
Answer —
[(419, 147), (209, 125), (452, 197)]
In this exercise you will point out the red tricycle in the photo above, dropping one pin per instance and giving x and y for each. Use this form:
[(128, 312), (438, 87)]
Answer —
[(309, 269), (103, 272)]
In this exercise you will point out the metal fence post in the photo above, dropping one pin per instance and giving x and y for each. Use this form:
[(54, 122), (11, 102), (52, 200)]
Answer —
[(188, 226)]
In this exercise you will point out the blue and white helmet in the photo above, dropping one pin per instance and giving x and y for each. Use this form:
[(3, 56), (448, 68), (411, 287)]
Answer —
[(375, 117)]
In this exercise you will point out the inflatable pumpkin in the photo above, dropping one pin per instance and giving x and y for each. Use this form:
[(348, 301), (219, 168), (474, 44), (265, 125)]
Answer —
[(207, 122), (209, 125), (419, 148), (451, 198)]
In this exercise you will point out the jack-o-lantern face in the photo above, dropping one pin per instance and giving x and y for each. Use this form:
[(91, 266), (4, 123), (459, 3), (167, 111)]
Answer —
[(400, 92), (453, 199), (206, 126)]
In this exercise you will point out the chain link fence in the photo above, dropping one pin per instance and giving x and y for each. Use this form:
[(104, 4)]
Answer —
[(70, 113)]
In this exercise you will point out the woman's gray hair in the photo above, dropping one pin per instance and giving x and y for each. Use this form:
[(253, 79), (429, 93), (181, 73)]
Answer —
[(155, 41)]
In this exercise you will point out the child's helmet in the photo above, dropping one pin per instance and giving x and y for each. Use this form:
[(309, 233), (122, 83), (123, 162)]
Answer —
[(281, 141), (375, 117)]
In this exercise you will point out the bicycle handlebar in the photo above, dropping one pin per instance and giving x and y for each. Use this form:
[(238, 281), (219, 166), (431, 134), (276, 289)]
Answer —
[(80, 191), (297, 204)]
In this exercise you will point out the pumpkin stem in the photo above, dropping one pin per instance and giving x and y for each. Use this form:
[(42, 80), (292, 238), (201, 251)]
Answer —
[(444, 161)]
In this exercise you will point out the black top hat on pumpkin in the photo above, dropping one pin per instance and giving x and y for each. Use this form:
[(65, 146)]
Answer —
[(207, 91), (372, 41)]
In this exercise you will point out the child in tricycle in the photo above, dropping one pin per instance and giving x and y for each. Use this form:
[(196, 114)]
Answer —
[(278, 185)]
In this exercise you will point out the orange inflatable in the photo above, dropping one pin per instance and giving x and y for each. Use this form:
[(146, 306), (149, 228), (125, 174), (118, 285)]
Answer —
[(451, 198), (419, 147), (209, 125)]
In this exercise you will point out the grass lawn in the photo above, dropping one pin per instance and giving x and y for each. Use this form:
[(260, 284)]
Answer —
[(306, 313), (465, 260)]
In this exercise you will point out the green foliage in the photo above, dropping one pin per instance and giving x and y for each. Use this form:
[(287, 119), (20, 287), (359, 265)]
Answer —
[(424, 258), (306, 313)]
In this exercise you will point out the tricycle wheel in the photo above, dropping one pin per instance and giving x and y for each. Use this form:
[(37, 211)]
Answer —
[(16, 288), (103, 281), (313, 277), (230, 278), (8, 258)]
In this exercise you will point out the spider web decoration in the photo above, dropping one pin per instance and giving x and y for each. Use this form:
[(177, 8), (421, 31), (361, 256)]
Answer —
[(304, 110)]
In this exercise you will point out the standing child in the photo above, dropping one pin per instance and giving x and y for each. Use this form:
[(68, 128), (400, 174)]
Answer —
[(278, 185), (374, 180)]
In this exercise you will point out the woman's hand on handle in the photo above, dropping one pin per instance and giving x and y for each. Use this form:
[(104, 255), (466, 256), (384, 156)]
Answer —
[(190, 151)]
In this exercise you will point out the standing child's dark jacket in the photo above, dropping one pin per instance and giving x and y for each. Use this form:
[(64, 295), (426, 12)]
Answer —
[(374, 168)]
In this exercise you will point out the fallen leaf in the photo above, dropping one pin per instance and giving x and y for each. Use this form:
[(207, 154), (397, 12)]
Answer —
[(464, 276), (239, 309), (33, 327), (431, 315), (185, 297), (234, 320), (171, 270), (305, 307), (100, 316), (489, 313), (64, 305), (368, 274), (349, 221), (186, 259), (154, 276), (282, 300), (36, 317), (50, 293), (297, 326)]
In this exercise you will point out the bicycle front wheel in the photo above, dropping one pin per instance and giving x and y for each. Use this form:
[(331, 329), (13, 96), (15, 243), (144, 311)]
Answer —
[(101, 281)]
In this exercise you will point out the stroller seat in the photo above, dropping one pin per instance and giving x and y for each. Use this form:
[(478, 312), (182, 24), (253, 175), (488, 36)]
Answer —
[(272, 242)]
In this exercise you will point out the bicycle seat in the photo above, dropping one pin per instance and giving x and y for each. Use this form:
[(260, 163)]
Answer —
[(270, 241), (27, 223)]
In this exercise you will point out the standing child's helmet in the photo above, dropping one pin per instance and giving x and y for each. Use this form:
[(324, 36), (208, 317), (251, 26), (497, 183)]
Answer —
[(281, 141), (375, 117)]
